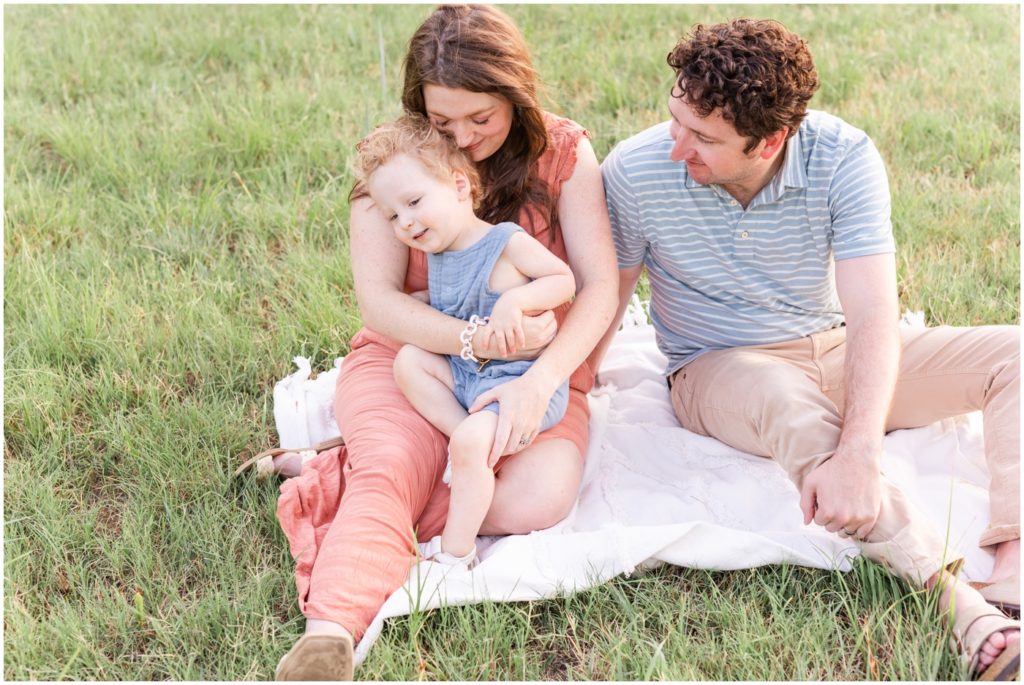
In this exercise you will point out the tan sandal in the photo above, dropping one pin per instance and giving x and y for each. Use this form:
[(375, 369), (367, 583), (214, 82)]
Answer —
[(317, 657), (265, 460), (970, 634), (1003, 595)]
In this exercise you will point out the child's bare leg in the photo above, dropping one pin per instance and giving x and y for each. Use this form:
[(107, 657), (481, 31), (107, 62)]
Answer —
[(426, 379), (472, 482)]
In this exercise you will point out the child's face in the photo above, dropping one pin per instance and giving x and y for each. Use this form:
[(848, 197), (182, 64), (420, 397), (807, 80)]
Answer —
[(425, 211)]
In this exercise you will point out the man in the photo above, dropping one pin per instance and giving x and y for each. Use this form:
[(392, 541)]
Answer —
[(766, 235)]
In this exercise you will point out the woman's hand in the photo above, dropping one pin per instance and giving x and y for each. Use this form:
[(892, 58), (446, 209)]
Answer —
[(522, 403), (538, 331)]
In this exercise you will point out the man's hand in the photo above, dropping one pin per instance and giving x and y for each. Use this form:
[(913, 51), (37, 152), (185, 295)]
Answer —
[(844, 493)]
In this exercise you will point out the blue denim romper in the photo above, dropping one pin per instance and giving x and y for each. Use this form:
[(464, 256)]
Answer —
[(458, 284)]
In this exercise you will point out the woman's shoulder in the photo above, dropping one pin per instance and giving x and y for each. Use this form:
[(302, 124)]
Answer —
[(559, 160), (563, 131)]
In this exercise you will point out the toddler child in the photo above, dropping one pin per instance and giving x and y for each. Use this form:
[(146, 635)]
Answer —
[(482, 273)]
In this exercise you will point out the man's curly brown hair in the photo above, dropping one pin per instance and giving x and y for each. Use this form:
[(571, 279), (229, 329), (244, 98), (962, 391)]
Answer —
[(756, 71)]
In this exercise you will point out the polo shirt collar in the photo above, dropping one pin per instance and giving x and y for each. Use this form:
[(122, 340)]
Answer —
[(793, 173)]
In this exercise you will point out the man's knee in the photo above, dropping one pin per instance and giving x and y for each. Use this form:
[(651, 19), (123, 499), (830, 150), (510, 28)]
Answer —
[(1007, 338)]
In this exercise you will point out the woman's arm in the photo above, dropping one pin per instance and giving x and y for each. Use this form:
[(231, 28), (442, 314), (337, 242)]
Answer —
[(379, 263), (583, 217), (628, 279)]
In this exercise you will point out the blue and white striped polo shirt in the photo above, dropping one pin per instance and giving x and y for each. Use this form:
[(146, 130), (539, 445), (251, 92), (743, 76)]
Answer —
[(724, 277)]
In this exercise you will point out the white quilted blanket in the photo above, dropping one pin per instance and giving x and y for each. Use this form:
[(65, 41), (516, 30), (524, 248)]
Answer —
[(654, 493)]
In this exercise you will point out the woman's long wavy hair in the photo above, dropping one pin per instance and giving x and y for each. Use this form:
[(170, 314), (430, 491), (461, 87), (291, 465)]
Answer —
[(478, 48)]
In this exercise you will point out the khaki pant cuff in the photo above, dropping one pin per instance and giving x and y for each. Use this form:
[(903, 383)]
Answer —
[(993, 535), (908, 556)]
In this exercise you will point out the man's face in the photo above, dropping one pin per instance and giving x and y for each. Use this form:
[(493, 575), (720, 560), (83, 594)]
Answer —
[(710, 146)]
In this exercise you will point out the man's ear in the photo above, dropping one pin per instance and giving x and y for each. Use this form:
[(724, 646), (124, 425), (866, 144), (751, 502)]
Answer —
[(462, 184), (774, 143)]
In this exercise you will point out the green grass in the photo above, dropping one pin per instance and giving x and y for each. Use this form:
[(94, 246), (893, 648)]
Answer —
[(175, 231)]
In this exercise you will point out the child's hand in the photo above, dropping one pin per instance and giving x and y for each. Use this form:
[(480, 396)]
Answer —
[(507, 325)]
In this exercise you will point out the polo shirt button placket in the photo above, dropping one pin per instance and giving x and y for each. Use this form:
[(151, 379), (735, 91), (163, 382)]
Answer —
[(743, 247)]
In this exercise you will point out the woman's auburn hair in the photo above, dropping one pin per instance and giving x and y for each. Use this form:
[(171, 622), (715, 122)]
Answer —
[(478, 48)]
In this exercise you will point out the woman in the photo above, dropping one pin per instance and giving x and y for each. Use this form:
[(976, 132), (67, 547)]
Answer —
[(353, 515)]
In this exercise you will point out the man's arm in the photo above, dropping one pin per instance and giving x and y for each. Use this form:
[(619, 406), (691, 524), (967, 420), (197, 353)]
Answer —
[(845, 491), (628, 278)]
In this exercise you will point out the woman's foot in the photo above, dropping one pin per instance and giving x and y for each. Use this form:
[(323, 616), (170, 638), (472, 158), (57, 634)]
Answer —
[(324, 652), (278, 461), (288, 464)]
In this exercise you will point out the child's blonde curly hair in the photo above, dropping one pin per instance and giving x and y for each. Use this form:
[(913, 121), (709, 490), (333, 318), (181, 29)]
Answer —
[(412, 134)]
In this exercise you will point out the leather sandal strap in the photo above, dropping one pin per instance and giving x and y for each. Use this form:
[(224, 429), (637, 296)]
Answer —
[(970, 647), (277, 451), (328, 444), (272, 452)]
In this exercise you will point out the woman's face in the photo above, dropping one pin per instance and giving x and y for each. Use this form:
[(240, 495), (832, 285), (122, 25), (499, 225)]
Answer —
[(479, 122)]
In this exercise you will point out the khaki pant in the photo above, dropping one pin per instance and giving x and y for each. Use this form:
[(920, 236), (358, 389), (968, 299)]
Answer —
[(785, 401)]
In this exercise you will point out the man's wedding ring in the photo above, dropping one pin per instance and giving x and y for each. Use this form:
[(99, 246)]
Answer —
[(523, 442)]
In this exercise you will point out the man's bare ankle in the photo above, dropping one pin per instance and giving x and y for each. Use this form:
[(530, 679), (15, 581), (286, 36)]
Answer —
[(1007, 561)]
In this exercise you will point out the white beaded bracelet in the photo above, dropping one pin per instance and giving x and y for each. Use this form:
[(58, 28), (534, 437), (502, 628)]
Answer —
[(466, 337)]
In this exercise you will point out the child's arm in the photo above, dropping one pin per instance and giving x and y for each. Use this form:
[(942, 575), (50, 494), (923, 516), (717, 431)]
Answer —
[(551, 284)]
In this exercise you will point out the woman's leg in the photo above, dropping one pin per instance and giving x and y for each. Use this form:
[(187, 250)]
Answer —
[(537, 487), (393, 461)]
